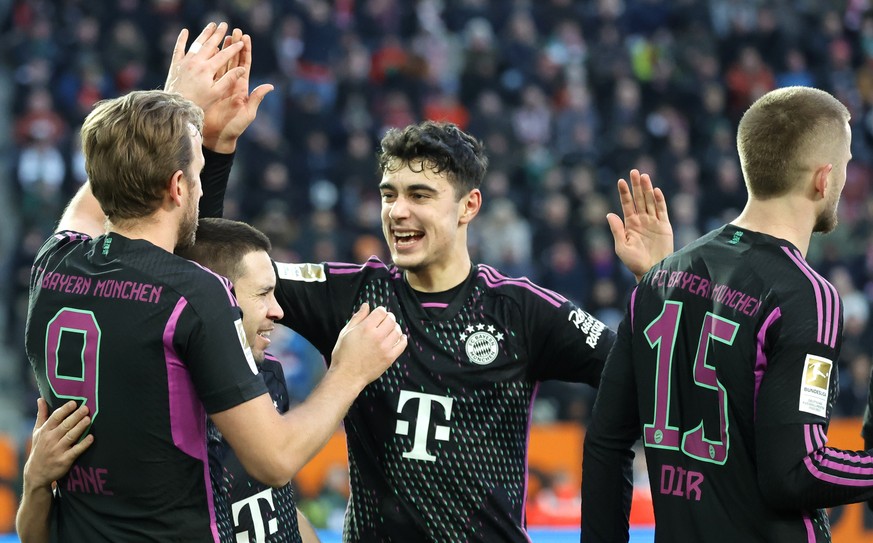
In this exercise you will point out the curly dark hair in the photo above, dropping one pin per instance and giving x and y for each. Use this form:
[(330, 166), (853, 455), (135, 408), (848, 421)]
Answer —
[(438, 146)]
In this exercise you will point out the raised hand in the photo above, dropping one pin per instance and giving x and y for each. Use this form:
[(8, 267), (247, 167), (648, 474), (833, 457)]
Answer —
[(645, 237), (228, 117), (55, 444), (368, 344), (193, 73)]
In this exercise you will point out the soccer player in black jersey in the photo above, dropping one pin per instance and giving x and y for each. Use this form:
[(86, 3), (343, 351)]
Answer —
[(151, 342), (438, 445), (247, 510), (725, 363)]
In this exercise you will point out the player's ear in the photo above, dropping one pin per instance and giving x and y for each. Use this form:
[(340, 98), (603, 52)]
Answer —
[(175, 188), (471, 202), (821, 180)]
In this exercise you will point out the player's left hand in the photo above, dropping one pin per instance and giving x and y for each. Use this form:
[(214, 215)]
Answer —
[(645, 237), (201, 73), (56, 443), (228, 118)]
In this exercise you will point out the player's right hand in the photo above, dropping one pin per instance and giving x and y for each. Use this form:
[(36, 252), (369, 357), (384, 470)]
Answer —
[(368, 344), (56, 445)]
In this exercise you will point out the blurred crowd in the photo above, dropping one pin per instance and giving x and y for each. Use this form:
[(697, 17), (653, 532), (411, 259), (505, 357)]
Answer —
[(567, 96)]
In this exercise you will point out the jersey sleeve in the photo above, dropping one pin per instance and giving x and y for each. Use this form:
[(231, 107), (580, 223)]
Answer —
[(317, 300), (567, 342), (796, 468), (607, 476), (210, 340), (214, 178)]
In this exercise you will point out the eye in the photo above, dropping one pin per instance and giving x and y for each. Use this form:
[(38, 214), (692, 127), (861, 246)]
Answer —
[(387, 196)]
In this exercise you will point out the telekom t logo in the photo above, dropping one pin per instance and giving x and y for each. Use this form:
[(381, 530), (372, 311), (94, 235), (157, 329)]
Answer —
[(257, 520), (422, 423)]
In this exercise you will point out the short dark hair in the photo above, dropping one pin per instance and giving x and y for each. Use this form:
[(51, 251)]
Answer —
[(439, 146), (221, 245)]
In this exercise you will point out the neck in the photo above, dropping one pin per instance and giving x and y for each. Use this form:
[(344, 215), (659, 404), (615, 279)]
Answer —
[(150, 229), (788, 218), (439, 278)]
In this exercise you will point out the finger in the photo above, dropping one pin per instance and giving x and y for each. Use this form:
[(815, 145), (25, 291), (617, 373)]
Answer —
[(388, 324), (616, 226), (223, 69), (179, 48), (207, 32), (639, 199), (80, 447), (236, 37), (223, 86), (398, 346), (648, 194), (59, 417), (212, 42), (245, 56), (626, 199), (41, 413), (661, 205), (78, 430), (222, 57)]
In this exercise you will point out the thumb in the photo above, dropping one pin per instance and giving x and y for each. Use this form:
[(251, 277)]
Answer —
[(41, 413), (257, 97), (179, 48), (359, 315), (616, 226)]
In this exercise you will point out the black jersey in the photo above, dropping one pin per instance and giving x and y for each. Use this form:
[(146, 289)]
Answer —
[(151, 343), (438, 444), (246, 509), (726, 365)]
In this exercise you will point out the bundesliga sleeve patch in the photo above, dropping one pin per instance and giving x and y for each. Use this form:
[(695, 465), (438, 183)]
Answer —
[(815, 385), (244, 343), (308, 273)]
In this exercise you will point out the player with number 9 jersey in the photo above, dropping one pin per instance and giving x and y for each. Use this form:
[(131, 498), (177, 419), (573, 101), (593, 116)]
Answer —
[(727, 362), (147, 341)]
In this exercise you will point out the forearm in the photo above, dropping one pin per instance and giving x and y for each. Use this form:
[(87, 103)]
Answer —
[(797, 471), (32, 519), (273, 448), (214, 178), (607, 489)]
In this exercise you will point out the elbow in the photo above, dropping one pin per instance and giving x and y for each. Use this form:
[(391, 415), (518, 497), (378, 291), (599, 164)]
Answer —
[(780, 489), (275, 469)]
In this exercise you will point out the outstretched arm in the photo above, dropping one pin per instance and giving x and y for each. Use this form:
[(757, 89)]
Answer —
[(645, 237), (271, 447), (83, 214), (55, 447)]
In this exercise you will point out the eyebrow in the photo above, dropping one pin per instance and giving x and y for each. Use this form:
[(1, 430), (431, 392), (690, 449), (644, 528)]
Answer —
[(420, 187)]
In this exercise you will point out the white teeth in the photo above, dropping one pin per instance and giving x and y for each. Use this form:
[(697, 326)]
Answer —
[(404, 234)]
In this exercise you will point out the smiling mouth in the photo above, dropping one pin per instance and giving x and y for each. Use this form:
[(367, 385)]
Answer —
[(405, 239), (265, 335)]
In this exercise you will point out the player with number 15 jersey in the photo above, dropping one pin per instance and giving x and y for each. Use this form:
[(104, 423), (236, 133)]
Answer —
[(730, 370), (121, 325)]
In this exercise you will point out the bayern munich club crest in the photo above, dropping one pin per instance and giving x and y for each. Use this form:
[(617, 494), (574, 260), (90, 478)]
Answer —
[(480, 343)]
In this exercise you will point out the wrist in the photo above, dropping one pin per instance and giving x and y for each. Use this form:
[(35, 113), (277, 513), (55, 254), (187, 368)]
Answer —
[(221, 145)]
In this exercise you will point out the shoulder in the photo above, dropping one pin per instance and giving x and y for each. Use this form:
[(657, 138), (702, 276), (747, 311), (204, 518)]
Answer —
[(520, 288), (319, 273), (200, 286), (60, 240)]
